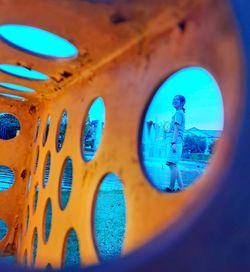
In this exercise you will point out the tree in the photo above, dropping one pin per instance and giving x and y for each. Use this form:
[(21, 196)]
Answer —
[(211, 147), (9, 125), (194, 144)]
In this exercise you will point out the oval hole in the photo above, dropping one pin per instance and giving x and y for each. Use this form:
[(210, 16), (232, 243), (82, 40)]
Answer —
[(46, 170), (3, 229), (37, 159), (93, 129), (182, 122), (12, 96), (7, 178), (16, 87), (9, 126), (61, 131), (110, 218), (36, 197), (27, 218), (37, 129), (71, 252), (48, 219), (66, 183), (37, 41), (46, 132), (34, 242), (22, 72), (29, 183)]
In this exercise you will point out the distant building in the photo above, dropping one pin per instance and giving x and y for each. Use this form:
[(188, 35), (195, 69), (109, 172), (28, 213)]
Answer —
[(210, 135)]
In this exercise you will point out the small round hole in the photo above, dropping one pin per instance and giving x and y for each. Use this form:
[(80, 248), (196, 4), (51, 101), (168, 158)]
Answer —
[(22, 72), (29, 183), (62, 131), (12, 96), (46, 132), (3, 229), (66, 183), (110, 218), (71, 252), (93, 129), (36, 198), (16, 87), (27, 218), (37, 159), (37, 41), (34, 242), (46, 170), (48, 219), (37, 129), (9, 126), (7, 178)]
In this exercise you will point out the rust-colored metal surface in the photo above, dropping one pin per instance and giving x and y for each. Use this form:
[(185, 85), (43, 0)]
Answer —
[(123, 61)]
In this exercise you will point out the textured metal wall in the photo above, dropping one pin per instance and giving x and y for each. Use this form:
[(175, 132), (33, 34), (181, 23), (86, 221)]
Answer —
[(124, 61)]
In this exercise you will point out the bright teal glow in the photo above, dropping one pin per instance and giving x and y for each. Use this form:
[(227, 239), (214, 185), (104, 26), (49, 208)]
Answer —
[(37, 41), (17, 97), (204, 105), (97, 110), (16, 87), (22, 72)]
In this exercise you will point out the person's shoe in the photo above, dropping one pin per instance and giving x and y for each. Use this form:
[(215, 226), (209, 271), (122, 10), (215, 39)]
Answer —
[(169, 190)]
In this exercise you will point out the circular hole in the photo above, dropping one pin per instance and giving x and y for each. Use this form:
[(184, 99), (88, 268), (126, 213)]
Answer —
[(9, 126), (177, 139), (71, 253), (110, 218), (37, 41), (22, 72), (15, 87), (3, 229), (7, 178), (48, 219), (35, 197), (34, 242), (27, 218), (29, 183), (46, 170), (37, 159), (66, 183), (12, 96), (62, 131), (45, 136), (37, 129), (93, 129)]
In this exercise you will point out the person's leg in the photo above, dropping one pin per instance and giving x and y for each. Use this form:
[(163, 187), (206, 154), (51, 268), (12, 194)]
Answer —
[(173, 175), (179, 178)]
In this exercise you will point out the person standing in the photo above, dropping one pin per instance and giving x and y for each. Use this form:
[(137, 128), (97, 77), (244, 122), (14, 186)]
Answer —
[(175, 142)]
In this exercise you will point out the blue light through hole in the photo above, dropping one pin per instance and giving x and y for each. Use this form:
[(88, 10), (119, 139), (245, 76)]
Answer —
[(17, 97), (23, 72), (37, 41), (174, 162), (16, 87)]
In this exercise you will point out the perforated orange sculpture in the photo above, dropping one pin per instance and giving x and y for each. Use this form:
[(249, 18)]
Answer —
[(125, 50)]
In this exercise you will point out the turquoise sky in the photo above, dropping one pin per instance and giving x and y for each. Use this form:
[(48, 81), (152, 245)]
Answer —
[(204, 105), (38, 41), (97, 110)]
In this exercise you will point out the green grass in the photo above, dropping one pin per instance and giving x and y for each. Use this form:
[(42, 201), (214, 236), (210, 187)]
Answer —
[(109, 228)]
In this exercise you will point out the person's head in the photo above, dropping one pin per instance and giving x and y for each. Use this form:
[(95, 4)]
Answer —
[(179, 102)]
